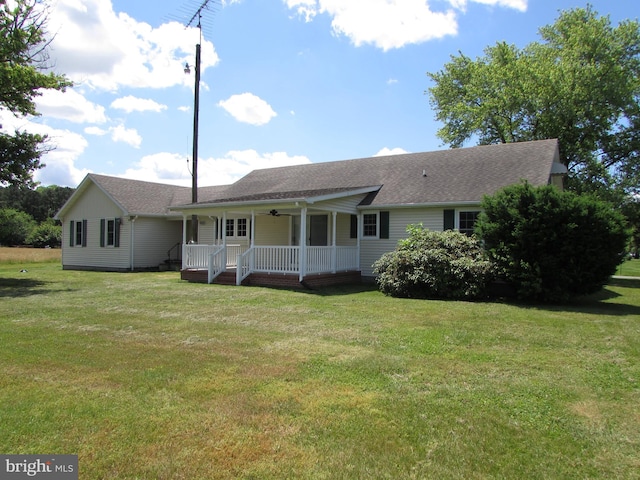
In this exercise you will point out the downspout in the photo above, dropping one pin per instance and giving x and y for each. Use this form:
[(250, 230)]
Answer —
[(132, 235)]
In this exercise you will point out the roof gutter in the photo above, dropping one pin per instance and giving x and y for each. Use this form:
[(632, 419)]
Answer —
[(417, 205)]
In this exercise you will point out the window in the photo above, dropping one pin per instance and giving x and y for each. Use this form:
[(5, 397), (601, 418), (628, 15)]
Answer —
[(370, 225), (231, 222), (467, 222), (78, 233), (110, 232), (375, 225), (242, 227)]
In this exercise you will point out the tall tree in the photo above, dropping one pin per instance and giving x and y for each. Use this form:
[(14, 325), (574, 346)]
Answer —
[(23, 74), (580, 84)]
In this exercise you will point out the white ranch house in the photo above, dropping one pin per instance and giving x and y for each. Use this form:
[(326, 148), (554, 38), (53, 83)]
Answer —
[(308, 225)]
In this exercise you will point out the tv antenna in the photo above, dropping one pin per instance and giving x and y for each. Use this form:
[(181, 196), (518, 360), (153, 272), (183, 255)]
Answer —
[(200, 6)]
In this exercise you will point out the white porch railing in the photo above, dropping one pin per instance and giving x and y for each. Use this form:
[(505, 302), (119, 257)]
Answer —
[(197, 256), (347, 258), (217, 264), (269, 259)]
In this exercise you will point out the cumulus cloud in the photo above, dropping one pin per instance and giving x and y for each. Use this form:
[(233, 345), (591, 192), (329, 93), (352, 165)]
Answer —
[(129, 136), (70, 105), (389, 24), (95, 131), (175, 169), (248, 108), (390, 151), (96, 47), (133, 104), (64, 148)]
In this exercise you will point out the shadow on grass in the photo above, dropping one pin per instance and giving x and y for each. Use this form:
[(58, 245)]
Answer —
[(22, 287)]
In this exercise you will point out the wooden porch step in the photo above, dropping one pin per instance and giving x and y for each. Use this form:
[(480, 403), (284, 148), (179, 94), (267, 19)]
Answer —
[(226, 278)]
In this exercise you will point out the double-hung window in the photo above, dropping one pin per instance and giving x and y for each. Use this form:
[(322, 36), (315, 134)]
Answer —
[(468, 222), (78, 233), (375, 225), (110, 232)]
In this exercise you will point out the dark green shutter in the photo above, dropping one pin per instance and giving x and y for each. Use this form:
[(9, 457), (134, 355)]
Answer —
[(116, 233), (449, 219), (354, 227), (102, 229), (84, 233), (384, 224), (72, 233)]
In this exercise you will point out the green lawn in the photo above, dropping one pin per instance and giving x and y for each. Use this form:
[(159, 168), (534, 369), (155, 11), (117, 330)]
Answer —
[(630, 268), (147, 377)]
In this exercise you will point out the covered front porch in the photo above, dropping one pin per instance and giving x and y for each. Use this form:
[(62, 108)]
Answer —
[(271, 265), (275, 245)]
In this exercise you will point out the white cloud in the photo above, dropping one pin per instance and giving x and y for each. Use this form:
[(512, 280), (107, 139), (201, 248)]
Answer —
[(515, 4), (95, 46), (390, 151), (129, 136), (69, 105), (392, 81), (95, 131), (389, 24), (248, 108), (175, 169), (133, 104), (64, 147)]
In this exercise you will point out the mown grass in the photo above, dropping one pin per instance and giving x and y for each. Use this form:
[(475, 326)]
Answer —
[(630, 268), (145, 376)]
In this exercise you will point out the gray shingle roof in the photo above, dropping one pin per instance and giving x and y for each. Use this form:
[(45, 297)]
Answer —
[(461, 175), (452, 176), (137, 197)]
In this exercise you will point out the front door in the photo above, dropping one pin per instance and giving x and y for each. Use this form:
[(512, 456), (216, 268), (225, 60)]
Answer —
[(318, 230)]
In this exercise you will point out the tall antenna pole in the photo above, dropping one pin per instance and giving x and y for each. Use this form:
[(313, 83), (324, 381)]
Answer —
[(196, 112)]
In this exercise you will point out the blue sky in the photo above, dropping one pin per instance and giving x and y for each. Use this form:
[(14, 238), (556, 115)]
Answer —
[(283, 81)]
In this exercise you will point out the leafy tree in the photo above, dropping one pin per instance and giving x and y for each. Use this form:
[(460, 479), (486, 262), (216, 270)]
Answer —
[(431, 264), (552, 245), (23, 65), (631, 210), (46, 234), (15, 226), (579, 85), (41, 203)]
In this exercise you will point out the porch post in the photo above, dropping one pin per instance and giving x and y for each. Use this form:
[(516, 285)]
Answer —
[(223, 228), (184, 241), (358, 235), (303, 243), (334, 256), (253, 228)]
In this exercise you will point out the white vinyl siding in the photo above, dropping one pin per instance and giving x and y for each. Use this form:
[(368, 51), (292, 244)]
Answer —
[(153, 237), (370, 251), (272, 230), (94, 207)]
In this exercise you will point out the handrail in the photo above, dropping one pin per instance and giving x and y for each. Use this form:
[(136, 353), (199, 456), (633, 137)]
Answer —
[(244, 265), (178, 252), (217, 264)]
